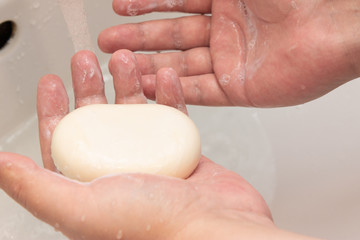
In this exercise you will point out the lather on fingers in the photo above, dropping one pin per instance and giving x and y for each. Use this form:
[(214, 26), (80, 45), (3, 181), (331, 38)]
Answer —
[(87, 79), (137, 7), (52, 106), (180, 33)]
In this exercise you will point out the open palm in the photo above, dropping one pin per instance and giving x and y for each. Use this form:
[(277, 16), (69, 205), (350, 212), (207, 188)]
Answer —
[(248, 53), (127, 206)]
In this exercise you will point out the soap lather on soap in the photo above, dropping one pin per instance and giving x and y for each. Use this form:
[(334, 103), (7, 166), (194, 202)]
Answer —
[(102, 139)]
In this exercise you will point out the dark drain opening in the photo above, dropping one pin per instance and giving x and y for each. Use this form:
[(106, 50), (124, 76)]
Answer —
[(7, 30)]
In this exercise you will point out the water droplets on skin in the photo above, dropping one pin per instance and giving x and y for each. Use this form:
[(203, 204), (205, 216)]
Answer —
[(151, 195), (174, 3), (225, 79), (83, 218), (294, 5), (252, 44), (119, 235), (133, 9), (124, 58), (56, 227), (148, 227)]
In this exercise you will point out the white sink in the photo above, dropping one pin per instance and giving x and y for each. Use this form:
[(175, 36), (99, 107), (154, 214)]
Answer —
[(304, 159)]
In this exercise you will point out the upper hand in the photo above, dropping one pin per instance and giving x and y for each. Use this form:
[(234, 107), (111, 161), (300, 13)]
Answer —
[(248, 53)]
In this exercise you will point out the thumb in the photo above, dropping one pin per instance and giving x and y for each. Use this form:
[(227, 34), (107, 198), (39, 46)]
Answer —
[(47, 195)]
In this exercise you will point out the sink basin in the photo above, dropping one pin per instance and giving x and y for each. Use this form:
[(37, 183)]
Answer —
[(304, 160)]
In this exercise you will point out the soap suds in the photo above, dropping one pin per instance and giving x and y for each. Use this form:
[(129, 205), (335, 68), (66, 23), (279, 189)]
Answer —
[(224, 79), (174, 3), (294, 5), (134, 9)]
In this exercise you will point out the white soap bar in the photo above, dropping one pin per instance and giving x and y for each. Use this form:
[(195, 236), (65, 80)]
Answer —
[(102, 139)]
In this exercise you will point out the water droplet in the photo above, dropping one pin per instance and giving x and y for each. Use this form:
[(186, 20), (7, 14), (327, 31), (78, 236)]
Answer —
[(56, 227), (119, 234), (148, 227), (132, 11), (151, 195), (225, 79), (294, 5), (9, 165), (83, 218)]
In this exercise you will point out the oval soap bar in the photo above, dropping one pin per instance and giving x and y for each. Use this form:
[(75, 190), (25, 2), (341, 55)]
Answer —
[(102, 139)]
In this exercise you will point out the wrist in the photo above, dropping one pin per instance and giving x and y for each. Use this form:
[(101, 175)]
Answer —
[(356, 53), (346, 16), (243, 226)]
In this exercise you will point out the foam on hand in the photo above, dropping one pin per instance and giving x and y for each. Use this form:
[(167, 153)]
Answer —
[(102, 139)]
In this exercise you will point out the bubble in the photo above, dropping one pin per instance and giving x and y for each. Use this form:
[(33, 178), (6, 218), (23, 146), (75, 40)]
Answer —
[(56, 227), (132, 11), (151, 195), (225, 79)]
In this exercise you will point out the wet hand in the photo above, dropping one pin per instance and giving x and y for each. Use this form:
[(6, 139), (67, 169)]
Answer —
[(246, 53), (128, 206)]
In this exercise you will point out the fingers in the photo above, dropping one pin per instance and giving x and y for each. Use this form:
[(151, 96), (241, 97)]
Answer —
[(127, 78), (195, 61), (87, 79), (181, 33), (135, 7), (52, 106), (198, 90), (169, 91), (47, 195)]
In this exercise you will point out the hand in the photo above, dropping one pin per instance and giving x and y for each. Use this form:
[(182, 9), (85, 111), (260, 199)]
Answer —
[(132, 206), (247, 53), (213, 203)]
